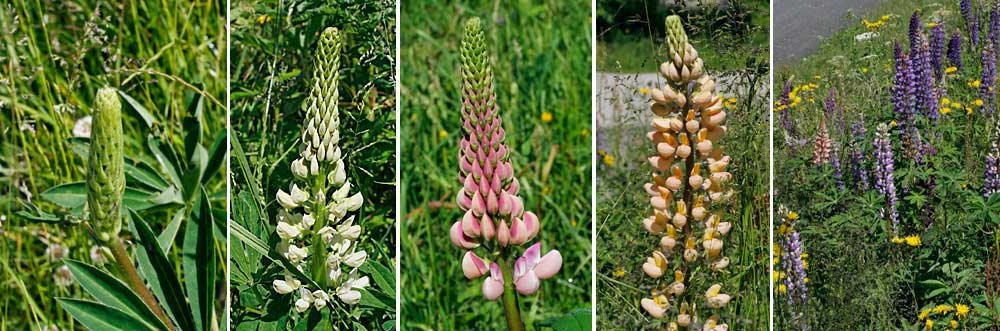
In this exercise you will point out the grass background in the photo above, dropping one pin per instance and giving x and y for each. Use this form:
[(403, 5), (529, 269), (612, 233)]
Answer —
[(56, 55), (622, 243), (541, 59), (273, 50), (874, 284)]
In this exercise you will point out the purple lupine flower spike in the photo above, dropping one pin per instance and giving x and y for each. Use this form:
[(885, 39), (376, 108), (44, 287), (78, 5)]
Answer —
[(955, 50), (991, 176), (993, 28), (838, 174), (884, 177), (966, 8), (988, 80), (915, 30), (937, 49)]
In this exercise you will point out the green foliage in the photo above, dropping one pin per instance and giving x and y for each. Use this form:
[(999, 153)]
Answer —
[(273, 63), (541, 67), (877, 284)]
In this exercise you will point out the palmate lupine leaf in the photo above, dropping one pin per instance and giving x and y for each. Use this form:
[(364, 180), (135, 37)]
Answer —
[(110, 291), (96, 316)]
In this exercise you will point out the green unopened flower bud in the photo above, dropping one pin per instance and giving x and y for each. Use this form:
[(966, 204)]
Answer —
[(477, 73), (676, 37), (105, 167), (321, 135)]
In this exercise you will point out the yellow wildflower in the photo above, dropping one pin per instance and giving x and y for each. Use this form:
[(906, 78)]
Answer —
[(892, 123), (924, 313), (913, 241), (950, 70), (782, 229), (897, 240), (978, 102), (954, 324), (546, 117), (442, 134), (609, 160), (263, 19), (945, 101), (961, 310), (956, 105), (945, 110), (968, 110), (782, 288), (930, 324), (975, 83), (884, 17), (932, 24), (584, 132), (943, 309), (792, 216), (864, 70), (644, 90), (618, 273), (804, 255)]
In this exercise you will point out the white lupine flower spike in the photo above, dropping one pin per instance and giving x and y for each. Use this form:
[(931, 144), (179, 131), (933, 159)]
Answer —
[(316, 234)]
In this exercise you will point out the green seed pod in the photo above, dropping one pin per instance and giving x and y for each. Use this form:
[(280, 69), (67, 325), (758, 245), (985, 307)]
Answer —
[(105, 168)]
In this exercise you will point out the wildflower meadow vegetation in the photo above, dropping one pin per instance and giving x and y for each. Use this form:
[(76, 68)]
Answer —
[(886, 173), (682, 183), (495, 231), (111, 165), (313, 186)]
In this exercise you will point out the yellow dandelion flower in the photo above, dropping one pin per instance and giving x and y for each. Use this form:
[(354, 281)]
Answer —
[(961, 310), (792, 216), (945, 101), (782, 288), (864, 70), (924, 313), (892, 123), (601, 152), (442, 134), (913, 241), (968, 110), (950, 70), (975, 83), (263, 19), (945, 110), (818, 77), (884, 17), (804, 255), (644, 90), (782, 229), (546, 117), (930, 324), (953, 323), (618, 273), (978, 102), (943, 309), (805, 264), (805, 280), (897, 240), (609, 160), (932, 24)]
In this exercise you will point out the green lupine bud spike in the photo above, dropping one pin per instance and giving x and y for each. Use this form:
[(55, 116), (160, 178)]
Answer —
[(105, 167), (321, 133), (676, 37), (478, 96)]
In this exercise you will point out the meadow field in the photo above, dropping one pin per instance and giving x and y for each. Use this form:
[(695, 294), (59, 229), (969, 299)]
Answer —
[(885, 173)]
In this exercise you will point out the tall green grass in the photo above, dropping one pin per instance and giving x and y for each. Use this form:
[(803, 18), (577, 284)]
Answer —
[(541, 59), (56, 55)]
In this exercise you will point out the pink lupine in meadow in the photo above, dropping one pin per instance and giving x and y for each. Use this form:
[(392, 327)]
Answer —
[(495, 219), (822, 144), (690, 182)]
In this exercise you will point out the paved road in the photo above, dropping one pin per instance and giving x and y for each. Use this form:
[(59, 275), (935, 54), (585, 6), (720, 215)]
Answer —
[(800, 24)]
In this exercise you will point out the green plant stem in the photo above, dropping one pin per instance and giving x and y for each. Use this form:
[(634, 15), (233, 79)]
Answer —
[(511, 309), (121, 257)]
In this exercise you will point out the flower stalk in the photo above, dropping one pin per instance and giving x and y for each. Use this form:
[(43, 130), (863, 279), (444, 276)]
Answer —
[(317, 235), (690, 182), (106, 189), (494, 217)]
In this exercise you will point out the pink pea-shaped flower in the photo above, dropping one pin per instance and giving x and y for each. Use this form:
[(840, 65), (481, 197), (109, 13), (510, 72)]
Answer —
[(531, 268)]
